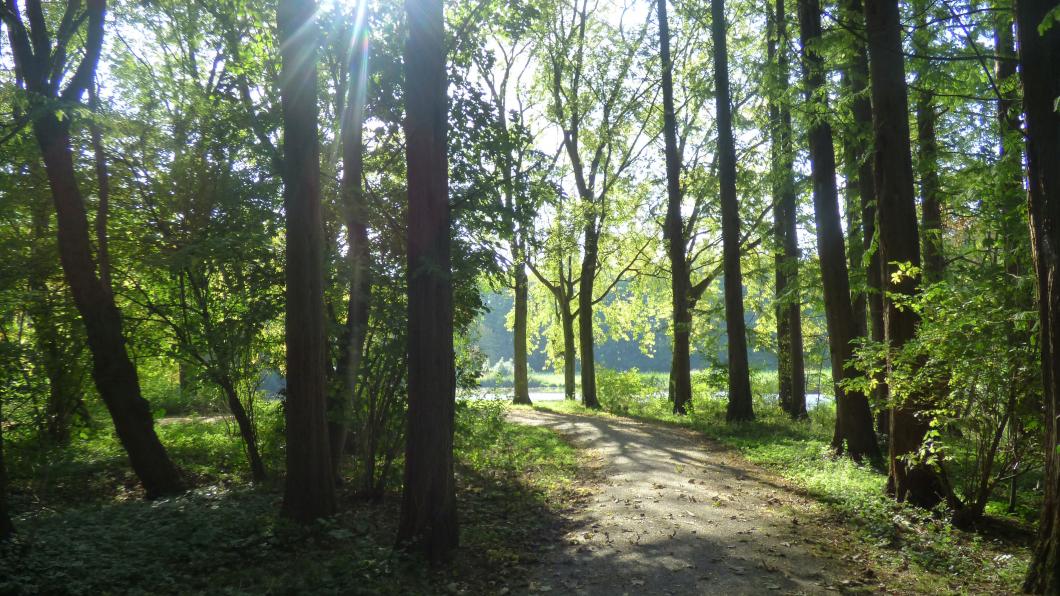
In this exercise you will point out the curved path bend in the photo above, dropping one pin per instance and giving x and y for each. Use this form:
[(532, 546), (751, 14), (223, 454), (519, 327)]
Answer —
[(674, 513)]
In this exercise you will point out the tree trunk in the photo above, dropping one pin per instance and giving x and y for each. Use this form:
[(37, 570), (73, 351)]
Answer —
[(522, 379), (740, 406), (309, 491), (927, 156), (898, 241), (791, 373), (855, 242), (428, 508), (680, 368), (64, 391), (114, 373), (569, 355), (103, 183), (856, 81), (853, 416), (931, 209), (1039, 57), (246, 428), (1010, 178), (585, 313), (358, 257)]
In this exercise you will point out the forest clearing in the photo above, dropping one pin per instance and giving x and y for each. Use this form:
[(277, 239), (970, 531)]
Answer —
[(529, 296)]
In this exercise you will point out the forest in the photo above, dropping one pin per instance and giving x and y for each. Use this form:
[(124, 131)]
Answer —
[(529, 296)]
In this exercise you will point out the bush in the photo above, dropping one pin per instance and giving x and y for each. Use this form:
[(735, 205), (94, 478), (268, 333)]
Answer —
[(621, 392)]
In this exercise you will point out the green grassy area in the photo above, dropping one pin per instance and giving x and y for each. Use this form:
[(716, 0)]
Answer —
[(918, 548), (225, 536)]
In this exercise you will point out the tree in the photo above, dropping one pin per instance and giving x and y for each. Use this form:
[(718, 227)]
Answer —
[(853, 416), (927, 161), (674, 231), (558, 250), (595, 107), (1039, 56), (350, 108), (42, 64), (791, 372), (309, 491), (857, 154), (740, 406), (503, 64), (428, 507), (910, 480)]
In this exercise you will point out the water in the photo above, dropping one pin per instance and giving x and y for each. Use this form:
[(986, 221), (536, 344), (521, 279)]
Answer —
[(538, 395)]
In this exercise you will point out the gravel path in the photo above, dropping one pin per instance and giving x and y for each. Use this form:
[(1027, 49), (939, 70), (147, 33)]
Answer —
[(674, 513)]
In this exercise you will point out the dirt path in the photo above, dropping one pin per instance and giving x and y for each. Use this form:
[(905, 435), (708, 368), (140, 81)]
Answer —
[(676, 514)]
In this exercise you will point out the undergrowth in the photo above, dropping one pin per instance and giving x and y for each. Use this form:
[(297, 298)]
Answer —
[(226, 536)]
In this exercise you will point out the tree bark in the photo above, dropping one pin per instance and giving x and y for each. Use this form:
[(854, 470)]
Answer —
[(853, 416), (569, 356), (358, 256), (522, 379), (791, 372), (856, 81), (64, 390), (740, 405), (428, 508), (103, 184), (919, 484), (309, 491), (927, 157), (585, 311), (1010, 178), (680, 368), (1039, 57)]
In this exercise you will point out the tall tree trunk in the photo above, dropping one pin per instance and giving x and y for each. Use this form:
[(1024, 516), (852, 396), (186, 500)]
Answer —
[(358, 257), (114, 373), (853, 416), (103, 184), (927, 156), (856, 82), (855, 242), (919, 484), (309, 490), (1010, 178), (1039, 56), (428, 506), (740, 406), (791, 372), (569, 356), (680, 368), (522, 377), (64, 391), (585, 312)]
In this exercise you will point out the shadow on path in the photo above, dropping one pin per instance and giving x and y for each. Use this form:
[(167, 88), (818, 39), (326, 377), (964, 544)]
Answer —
[(676, 514)]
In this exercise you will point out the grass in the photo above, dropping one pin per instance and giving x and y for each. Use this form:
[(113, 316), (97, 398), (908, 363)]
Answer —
[(916, 548), (226, 536)]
